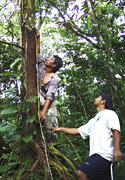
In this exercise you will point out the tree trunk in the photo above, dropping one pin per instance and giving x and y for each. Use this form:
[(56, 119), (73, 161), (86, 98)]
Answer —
[(29, 89)]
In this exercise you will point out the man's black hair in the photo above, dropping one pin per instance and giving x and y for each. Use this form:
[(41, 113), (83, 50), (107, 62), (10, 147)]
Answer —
[(108, 100), (58, 62)]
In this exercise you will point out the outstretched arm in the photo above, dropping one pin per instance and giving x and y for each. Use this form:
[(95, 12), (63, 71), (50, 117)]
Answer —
[(73, 131), (117, 153), (38, 41)]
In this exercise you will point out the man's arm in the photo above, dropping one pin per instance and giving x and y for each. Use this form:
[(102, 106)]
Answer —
[(50, 95), (117, 152), (73, 131), (38, 42), (45, 108)]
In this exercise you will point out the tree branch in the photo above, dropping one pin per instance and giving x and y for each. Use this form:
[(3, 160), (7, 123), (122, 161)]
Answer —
[(11, 44), (81, 35), (40, 157), (4, 6), (99, 36), (32, 169), (71, 27)]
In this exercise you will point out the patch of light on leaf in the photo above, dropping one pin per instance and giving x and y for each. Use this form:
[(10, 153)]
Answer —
[(118, 76), (95, 80)]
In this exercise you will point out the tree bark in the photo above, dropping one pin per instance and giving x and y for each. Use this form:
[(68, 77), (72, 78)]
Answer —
[(29, 86), (29, 64)]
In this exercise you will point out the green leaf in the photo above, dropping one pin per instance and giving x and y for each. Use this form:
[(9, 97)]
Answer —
[(18, 75), (9, 111), (14, 163), (115, 87), (41, 103), (25, 85), (25, 107), (27, 139), (72, 70), (14, 157), (11, 90), (4, 168), (111, 70), (3, 128), (31, 119), (17, 60), (5, 156), (8, 128), (33, 99), (8, 73)]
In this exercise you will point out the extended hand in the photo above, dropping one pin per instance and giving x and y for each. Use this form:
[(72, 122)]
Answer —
[(55, 130)]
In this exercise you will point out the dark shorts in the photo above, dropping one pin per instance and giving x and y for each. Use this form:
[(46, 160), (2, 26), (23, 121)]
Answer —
[(96, 167)]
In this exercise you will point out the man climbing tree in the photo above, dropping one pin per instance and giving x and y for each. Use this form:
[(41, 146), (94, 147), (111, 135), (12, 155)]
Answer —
[(48, 82), (104, 133)]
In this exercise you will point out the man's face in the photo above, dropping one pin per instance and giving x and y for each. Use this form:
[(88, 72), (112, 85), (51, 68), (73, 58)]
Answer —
[(50, 62), (98, 101)]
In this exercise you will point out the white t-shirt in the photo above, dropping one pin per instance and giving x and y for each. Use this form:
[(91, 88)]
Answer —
[(99, 131)]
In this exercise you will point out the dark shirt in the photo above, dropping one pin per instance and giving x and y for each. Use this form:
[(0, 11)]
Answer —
[(48, 90)]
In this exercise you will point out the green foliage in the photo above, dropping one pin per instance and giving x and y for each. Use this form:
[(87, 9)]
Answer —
[(32, 99), (16, 60), (93, 55), (30, 120), (9, 111), (27, 138)]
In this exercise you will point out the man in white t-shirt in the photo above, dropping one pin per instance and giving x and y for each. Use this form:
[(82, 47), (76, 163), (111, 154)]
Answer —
[(104, 137)]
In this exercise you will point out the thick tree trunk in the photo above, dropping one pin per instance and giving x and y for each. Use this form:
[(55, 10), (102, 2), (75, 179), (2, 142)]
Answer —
[(29, 88), (31, 73), (29, 64)]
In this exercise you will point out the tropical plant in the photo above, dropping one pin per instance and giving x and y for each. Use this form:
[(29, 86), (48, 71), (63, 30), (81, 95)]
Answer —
[(90, 37)]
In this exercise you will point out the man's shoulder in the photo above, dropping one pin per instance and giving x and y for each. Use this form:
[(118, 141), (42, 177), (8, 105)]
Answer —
[(109, 113), (55, 76)]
